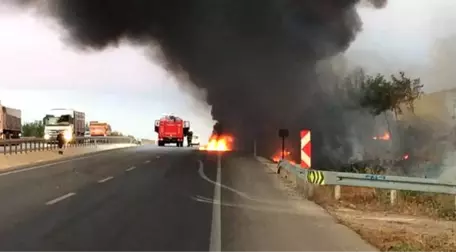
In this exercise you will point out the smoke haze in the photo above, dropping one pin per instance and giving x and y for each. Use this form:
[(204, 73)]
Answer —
[(416, 36), (255, 59)]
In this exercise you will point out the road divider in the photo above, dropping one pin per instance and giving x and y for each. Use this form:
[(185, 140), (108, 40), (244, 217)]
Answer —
[(30, 145), (14, 161)]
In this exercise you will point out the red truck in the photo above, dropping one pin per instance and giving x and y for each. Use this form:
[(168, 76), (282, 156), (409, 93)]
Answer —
[(171, 129)]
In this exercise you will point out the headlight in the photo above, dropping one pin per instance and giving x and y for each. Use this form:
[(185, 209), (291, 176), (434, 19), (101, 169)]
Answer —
[(68, 136), (47, 137)]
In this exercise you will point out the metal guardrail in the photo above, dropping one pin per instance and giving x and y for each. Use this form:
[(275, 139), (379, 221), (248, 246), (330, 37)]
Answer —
[(17, 146), (368, 180)]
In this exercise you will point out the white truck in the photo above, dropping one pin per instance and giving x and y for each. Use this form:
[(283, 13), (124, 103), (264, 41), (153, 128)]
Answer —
[(196, 140), (10, 123), (70, 121)]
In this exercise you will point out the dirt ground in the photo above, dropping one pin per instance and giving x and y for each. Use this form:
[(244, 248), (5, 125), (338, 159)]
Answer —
[(417, 222)]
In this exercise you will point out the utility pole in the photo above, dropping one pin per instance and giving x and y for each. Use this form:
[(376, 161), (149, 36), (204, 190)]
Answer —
[(254, 148)]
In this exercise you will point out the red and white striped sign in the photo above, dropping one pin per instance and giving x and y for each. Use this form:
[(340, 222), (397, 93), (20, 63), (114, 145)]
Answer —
[(306, 149)]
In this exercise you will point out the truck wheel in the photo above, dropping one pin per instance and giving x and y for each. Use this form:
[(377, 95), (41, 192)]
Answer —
[(160, 143)]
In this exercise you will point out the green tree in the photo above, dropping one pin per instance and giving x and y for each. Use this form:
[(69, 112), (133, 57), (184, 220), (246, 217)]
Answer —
[(408, 90), (380, 95), (116, 133), (377, 94), (33, 129)]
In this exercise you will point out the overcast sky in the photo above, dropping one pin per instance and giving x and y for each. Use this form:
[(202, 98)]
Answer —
[(121, 86)]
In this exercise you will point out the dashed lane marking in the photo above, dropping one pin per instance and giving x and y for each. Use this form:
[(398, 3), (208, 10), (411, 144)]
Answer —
[(66, 196), (131, 168), (105, 179)]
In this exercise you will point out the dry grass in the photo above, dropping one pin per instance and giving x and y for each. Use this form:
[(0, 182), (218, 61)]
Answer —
[(437, 206), (417, 222)]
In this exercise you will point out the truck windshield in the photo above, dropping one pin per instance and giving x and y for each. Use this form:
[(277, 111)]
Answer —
[(97, 126), (57, 120)]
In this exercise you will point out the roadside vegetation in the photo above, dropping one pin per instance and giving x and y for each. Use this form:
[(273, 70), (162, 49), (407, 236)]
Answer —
[(406, 145), (33, 129)]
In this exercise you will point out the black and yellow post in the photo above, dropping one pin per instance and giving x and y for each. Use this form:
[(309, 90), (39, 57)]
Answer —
[(316, 177)]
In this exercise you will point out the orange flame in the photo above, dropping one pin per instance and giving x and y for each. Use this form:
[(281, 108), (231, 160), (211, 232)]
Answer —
[(278, 156), (219, 143), (385, 137)]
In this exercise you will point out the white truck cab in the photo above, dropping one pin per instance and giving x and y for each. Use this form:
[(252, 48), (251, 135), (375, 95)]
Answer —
[(196, 140), (71, 122)]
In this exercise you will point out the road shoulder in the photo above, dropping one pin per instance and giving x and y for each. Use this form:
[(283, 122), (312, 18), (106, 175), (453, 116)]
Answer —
[(389, 228), (261, 213)]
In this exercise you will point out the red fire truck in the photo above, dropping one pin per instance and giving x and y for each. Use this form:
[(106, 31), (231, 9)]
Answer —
[(171, 129)]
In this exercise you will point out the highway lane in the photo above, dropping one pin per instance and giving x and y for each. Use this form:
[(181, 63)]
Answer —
[(151, 198), (147, 207)]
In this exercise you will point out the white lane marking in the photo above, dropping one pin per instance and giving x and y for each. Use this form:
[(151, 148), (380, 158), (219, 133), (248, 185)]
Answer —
[(105, 179), (216, 227), (147, 161), (131, 168), (242, 194), (52, 202), (54, 163)]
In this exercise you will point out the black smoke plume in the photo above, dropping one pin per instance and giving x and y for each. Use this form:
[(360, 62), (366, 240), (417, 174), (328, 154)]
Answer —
[(255, 58)]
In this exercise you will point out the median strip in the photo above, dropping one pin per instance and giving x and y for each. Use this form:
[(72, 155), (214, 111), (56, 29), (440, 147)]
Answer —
[(66, 196), (105, 179)]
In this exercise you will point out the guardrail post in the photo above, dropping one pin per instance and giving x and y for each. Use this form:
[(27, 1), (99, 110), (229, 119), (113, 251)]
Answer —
[(337, 192), (455, 203), (393, 197)]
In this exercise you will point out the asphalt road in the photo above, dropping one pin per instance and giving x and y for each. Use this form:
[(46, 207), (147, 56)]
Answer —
[(151, 198)]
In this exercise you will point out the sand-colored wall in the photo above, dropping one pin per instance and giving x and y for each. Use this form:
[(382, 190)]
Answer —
[(437, 107)]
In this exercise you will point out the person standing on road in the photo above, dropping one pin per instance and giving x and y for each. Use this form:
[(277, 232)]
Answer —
[(60, 142), (189, 138)]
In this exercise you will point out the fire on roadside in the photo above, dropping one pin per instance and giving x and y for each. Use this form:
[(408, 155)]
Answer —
[(219, 143), (286, 154), (386, 136)]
